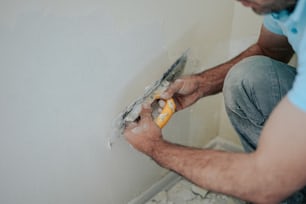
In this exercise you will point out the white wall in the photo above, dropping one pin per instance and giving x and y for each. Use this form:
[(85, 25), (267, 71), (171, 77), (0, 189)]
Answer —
[(244, 32), (68, 67)]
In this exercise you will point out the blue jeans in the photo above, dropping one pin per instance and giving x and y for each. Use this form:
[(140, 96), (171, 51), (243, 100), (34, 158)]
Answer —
[(252, 89)]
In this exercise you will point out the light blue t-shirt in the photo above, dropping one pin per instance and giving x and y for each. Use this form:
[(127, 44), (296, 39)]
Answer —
[(294, 27)]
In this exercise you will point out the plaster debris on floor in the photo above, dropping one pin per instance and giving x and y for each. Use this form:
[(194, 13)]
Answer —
[(185, 192)]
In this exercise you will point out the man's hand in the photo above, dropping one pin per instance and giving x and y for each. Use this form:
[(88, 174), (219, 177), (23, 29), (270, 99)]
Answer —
[(144, 134), (185, 91)]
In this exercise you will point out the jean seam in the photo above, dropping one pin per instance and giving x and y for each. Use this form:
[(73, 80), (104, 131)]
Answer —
[(252, 97), (275, 83)]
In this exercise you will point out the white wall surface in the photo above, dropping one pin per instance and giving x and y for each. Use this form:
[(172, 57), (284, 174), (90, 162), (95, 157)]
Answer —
[(244, 32), (67, 69)]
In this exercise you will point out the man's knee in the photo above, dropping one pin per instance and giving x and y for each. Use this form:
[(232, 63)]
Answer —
[(247, 75), (259, 80), (242, 96)]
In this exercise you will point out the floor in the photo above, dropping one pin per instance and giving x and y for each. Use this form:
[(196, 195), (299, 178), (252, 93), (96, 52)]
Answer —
[(185, 192)]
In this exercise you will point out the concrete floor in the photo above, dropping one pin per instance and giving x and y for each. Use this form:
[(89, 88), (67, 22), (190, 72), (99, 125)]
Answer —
[(185, 192)]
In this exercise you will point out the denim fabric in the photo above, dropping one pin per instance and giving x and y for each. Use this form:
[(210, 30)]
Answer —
[(252, 89)]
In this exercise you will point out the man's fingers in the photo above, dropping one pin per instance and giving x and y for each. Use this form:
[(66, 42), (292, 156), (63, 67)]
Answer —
[(173, 88), (130, 125), (162, 103), (146, 111)]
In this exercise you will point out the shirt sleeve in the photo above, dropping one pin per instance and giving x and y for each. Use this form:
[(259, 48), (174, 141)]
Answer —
[(272, 25), (297, 95)]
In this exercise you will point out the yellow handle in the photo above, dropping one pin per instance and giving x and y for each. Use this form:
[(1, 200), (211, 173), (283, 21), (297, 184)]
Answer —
[(163, 118)]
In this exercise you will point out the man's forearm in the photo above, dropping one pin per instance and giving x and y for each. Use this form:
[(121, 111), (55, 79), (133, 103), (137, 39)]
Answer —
[(212, 80), (228, 173), (269, 44)]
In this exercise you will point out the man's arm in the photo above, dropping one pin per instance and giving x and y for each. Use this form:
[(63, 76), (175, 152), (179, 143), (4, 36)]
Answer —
[(268, 44), (188, 90), (259, 177), (269, 175)]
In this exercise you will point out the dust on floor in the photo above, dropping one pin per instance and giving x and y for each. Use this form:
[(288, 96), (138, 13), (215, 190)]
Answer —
[(185, 192)]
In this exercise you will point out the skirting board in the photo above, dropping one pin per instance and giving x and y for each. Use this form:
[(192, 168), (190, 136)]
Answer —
[(165, 183)]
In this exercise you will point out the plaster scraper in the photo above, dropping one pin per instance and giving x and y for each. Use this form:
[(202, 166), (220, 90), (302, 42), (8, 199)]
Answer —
[(152, 94)]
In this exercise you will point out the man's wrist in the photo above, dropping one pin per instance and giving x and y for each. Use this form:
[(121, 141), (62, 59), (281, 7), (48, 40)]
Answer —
[(211, 81), (160, 153), (155, 147), (201, 80)]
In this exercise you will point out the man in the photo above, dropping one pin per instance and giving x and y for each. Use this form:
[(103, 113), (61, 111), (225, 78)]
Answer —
[(256, 85)]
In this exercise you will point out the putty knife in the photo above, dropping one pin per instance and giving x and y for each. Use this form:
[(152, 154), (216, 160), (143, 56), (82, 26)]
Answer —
[(131, 113), (153, 93)]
